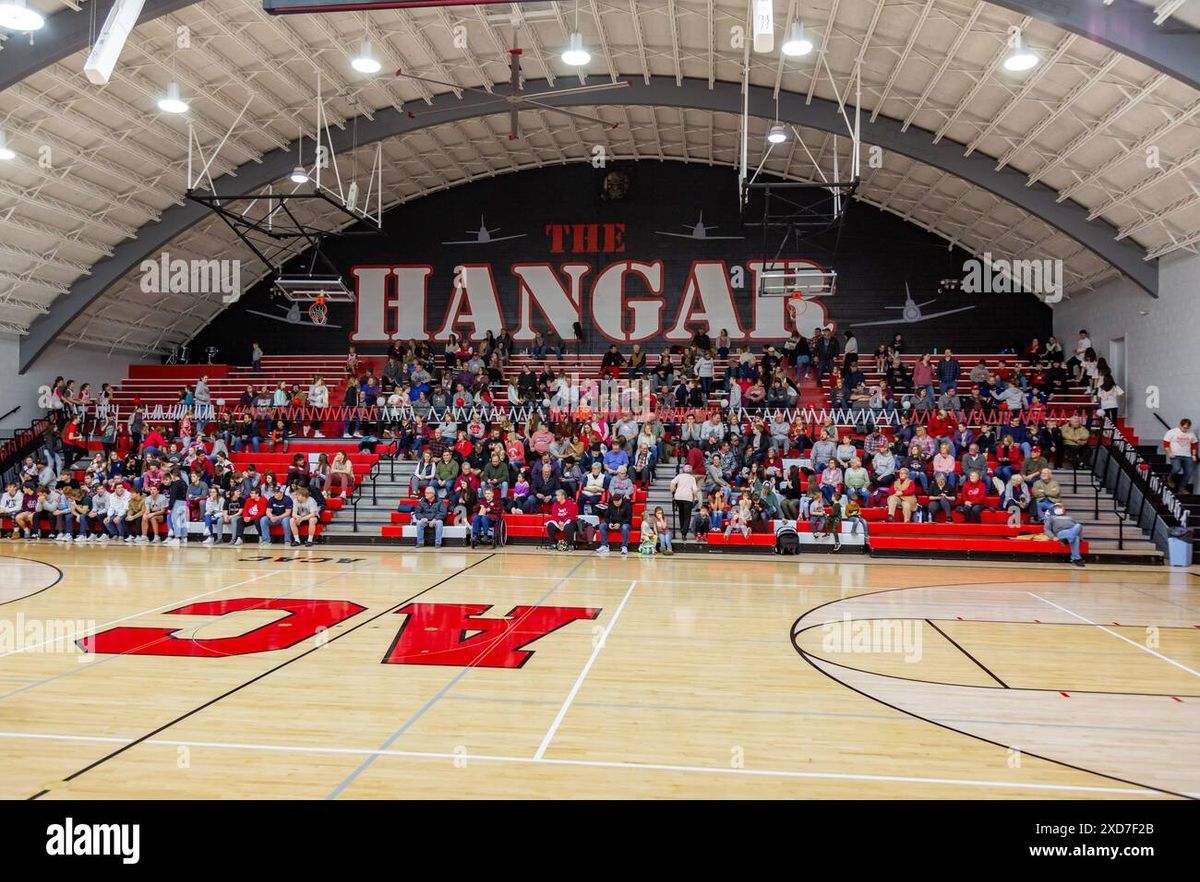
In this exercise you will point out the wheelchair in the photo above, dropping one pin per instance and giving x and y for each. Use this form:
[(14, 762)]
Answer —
[(497, 536)]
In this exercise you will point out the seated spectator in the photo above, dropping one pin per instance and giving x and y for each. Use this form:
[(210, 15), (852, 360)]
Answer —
[(431, 511), (341, 474), (279, 513), (1015, 499), (740, 517), (941, 497), (974, 498), (618, 517), (1075, 441), (621, 484), (662, 531), (488, 515), (943, 464), (1046, 493), (592, 493), (831, 480), (902, 495), (563, 521), (305, 511)]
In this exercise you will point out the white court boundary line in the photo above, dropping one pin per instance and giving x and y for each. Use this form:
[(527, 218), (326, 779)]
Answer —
[(603, 764), (88, 631), (1158, 655), (603, 638)]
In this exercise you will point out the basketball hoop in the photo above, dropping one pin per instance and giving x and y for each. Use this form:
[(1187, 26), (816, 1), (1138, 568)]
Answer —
[(318, 313)]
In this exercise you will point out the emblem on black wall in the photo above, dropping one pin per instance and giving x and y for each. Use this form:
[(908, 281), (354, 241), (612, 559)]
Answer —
[(911, 312), (699, 230), (483, 236)]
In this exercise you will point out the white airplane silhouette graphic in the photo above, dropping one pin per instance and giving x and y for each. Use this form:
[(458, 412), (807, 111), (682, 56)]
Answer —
[(912, 312), (698, 231), (292, 317), (483, 236)]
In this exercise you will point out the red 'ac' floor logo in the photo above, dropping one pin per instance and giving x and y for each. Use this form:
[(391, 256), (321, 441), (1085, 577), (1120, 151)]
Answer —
[(432, 634)]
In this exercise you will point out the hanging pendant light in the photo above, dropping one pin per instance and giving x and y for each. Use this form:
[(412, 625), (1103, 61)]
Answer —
[(172, 102)]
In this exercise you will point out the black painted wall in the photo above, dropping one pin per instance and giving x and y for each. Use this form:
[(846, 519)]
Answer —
[(873, 252)]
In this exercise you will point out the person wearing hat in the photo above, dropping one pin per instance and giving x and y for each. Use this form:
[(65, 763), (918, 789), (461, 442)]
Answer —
[(1034, 464), (618, 517), (1058, 525)]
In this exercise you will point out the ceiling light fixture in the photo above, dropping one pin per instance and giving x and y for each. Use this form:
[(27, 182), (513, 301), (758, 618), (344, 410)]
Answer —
[(172, 102), (575, 55), (6, 152), (777, 134), (1022, 58), (796, 44), (16, 16), (364, 61), (298, 175)]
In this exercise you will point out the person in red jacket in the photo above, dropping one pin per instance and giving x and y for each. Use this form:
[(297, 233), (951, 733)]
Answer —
[(974, 498), (73, 441), (941, 428), (487, 516), (253, 510), (563, 521)]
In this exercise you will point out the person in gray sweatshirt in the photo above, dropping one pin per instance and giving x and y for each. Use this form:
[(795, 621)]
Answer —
[(1062, 528)]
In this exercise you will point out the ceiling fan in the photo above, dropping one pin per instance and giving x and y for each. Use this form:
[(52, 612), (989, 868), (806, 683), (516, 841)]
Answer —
[(517, 101)]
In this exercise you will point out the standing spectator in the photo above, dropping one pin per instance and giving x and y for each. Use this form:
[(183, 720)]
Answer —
[(1181, 447), (948, 371), (685, 493), (177, 506)]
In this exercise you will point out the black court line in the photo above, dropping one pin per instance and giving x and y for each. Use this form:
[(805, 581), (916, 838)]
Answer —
[(40, 590), (258, 677), (812, 661), (959, 647)]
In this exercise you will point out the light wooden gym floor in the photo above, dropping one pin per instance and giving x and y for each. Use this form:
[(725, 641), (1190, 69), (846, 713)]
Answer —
[(706, 676)]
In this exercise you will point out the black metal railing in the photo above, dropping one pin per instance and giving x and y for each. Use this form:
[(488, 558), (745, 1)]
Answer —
[(22, 444), (1139, 496)]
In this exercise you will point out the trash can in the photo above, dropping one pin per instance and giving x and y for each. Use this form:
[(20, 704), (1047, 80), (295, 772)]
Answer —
[(1179, 547)]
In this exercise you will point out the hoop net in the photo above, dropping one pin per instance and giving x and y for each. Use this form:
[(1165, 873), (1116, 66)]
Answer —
[(318, 313)]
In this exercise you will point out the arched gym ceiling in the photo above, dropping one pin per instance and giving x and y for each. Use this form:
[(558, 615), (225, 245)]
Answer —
[(1054, 163)]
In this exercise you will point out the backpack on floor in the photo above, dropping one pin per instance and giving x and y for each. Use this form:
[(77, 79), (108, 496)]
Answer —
[(787, 540)]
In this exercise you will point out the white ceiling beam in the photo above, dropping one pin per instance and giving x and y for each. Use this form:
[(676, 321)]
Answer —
[(983, 78), (1049, 119), (963, 31), (1098, 127)]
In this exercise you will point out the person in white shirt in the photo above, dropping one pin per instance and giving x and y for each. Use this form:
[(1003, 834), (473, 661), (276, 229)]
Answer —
[(114, 518), (304, 511), (10, 505), (1181, 450), (1082, 345), (318, 396)]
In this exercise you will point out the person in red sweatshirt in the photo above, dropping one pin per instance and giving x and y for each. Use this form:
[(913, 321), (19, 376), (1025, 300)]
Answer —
[(73, 441), (563, 521), (253, 510), (974, 498), (487, 516)]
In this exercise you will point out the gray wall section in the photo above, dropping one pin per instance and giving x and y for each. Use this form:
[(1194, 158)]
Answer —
[(1160, 347), (80, 363)]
